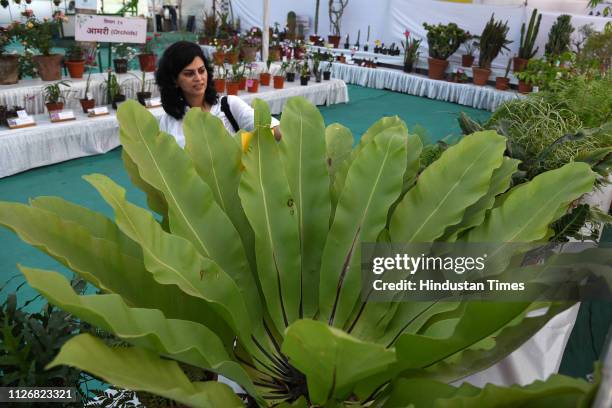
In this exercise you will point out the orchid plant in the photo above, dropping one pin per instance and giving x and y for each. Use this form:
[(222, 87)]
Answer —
[(411, 48)]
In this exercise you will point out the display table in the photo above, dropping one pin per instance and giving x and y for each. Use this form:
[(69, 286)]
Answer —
[(480, 97), (28, 93), (49, 143)]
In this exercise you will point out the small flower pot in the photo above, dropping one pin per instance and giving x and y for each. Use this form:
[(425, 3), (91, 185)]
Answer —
[(524, 87), (87, 104), (55, 106), (232, 88), (253, 85), (219, 58), (519, 64), (274, 53), (147, 62), (437, 68), (334, 40), (220, 85), (9, 69), (142, 97), (118, 100), (313, 39), (279, 82), (231, 58), (502, 83), (318, 76), (49, 67), (121, 65), (290, 76), (326, 75), (242, 84), (264, 78), (304, 81), (481, 75), (249, 54), (76, 68), (467, 61), (408, 66)]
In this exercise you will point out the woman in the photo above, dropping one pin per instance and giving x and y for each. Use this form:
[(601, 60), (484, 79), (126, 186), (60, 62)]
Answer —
[(185, 80)]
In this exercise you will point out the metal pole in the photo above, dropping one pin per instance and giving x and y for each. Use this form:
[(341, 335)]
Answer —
[(265, 35), (154, 18)]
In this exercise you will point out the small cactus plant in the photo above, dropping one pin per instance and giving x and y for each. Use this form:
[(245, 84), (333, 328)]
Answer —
[(526, 49)]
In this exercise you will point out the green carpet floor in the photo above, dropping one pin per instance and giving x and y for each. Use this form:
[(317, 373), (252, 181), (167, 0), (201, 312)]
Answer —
[(365, 107)]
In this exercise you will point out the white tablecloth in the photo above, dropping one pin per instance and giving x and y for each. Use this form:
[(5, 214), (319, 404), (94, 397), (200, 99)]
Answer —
[(49, 143), (481, 97)]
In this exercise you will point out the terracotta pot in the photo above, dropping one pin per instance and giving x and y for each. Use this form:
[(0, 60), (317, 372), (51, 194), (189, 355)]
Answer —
[(290, 76), (249, 54), (437, 68), (334, 40), (274, 53), (519, 64), (264, 78), (87, 104), (9, 69), (467, 60), (279, 82), (147, 62), (326, 75), (121, 65), (253, 85), (502, 83), (242, 84), (220, 85), (49, 67), (142, 97), (57, 106), (481, 75), (219, 58), (524, 87), (232, 88), (75, 68), (313, 38), (117, 101), (231, 58)]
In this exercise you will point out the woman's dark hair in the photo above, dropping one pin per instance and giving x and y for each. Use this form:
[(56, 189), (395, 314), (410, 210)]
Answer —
[(175, 59)]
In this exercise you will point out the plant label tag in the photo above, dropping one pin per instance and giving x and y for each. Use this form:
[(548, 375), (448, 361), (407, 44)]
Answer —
[(249, 83), (15, 123), (153, 102), (98, 111), (62, 116), (22, 114)]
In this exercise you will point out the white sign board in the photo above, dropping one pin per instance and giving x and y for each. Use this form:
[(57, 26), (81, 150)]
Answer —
[(86, 4), (91, 27)]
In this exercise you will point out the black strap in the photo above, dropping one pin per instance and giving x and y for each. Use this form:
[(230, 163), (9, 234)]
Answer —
[(228, 113)]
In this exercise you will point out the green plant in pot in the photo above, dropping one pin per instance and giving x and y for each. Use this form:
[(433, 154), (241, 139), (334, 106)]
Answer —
[(443, 40), (145, 92), (87, 102), (543, 72), (503, 83), (467, 59), (559, 37), (304, 73), (54, 97), (75, 61), (279, 78), (491, 42), (147, 57), (411, 51), (290, 70), (335, 10), (526, 50), (9, 63), (38, 34), (114, 90), (124, 53), (251, 267)]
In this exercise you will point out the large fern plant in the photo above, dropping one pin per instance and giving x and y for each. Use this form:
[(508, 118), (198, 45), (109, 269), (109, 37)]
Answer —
[(250, 267)]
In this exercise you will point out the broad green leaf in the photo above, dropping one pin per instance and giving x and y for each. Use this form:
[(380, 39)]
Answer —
[(104, 262), (217, 160), (302, 151), (475, 214), (339, 143), (270, 208), (458, 179), (142, 370), (527, 210), (183, 340), (372, 184), (173, 260), (332, 360), (192, 210)]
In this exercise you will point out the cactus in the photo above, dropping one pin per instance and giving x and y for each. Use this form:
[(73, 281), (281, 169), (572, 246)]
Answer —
[(526, 50), (291, 25), (559, 36)]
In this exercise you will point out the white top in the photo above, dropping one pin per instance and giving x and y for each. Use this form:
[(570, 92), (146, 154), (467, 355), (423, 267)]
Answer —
[(242, 112)]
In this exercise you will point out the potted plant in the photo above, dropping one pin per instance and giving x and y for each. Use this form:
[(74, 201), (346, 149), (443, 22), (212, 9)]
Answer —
[(75, 62), (251, 44), (526, 50), (316, 66), (459, 76), (490, 43), (304, 73), (211, 23), (231, 54), (328, 67), (503, 83), (38, 34), (443, 40), (264, 77), (9, 63), (220, 75), (124, 53), (54, 99), (279, 79), (274, 50), (335, 11), (114, 91), (290, 71), (233, 85), (467, 59), (411, 51), (147, 57), (144, 93), (87, 102), (559, 36), (315, 38)]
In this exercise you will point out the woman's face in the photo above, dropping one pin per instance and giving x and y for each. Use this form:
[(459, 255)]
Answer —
[(193, 78)]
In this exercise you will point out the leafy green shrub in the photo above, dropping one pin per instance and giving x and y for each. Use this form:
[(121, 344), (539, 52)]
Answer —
[(559, 36), (254, 271), (444, 39)]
